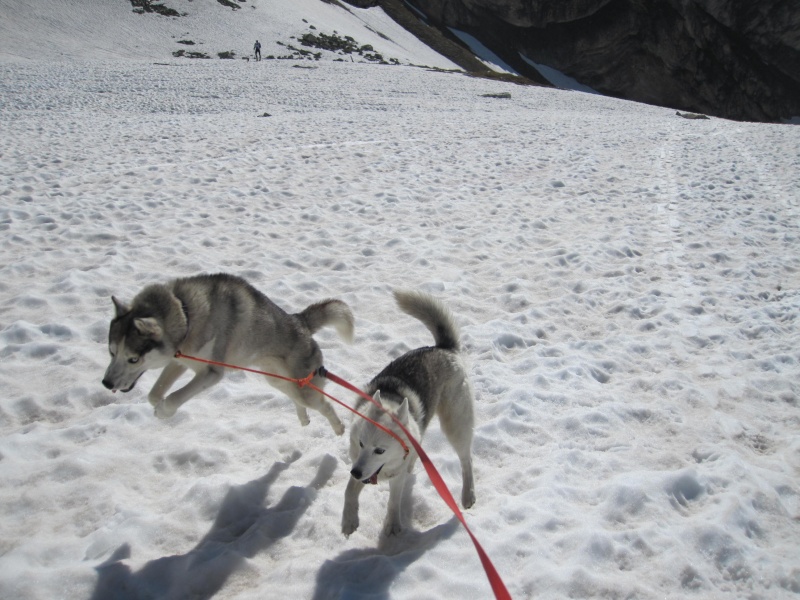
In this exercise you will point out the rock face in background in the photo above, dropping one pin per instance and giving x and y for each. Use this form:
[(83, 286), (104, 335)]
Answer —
[(729, 58)]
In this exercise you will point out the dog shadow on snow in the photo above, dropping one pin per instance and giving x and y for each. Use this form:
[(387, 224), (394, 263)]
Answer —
[(243, 528), (369, 572)]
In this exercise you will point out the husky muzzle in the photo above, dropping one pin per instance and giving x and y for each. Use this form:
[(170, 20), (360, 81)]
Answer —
[(110, 383), (358, 474)]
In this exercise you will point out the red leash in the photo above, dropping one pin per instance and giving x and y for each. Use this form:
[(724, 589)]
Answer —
[(306, 381), (498, 587)]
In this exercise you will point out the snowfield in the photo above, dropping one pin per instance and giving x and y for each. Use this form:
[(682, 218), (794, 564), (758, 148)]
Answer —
[(627, 283)]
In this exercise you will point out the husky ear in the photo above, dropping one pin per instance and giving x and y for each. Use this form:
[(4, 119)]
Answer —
[(377, 397), (120, 307), (402, 413), (150, 328)]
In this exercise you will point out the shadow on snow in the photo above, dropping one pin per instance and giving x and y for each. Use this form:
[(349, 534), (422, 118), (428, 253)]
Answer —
[(369, 572), (243, 528)]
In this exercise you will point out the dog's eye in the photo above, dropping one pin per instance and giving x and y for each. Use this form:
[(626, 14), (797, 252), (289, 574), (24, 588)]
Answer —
[(360, 444), (133, 360), (379, 450)]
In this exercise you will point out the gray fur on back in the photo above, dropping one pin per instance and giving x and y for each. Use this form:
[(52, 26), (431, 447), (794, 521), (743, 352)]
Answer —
[(227, 309)]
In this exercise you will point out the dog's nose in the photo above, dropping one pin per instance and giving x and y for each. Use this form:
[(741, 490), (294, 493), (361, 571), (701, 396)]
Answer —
[(356, 473), (108, 384)]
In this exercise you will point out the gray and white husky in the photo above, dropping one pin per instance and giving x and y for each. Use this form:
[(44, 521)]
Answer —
[(225, 319), (414, 387)]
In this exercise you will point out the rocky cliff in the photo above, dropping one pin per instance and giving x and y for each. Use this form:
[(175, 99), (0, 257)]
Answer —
[(727, 58)]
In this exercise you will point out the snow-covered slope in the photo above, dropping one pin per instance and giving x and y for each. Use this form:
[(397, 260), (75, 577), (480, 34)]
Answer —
[(627, 283), (110, 29)]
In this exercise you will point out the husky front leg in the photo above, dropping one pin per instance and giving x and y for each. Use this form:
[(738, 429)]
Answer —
[(394, 517), (169, 375), (350, 512), (203, 380)]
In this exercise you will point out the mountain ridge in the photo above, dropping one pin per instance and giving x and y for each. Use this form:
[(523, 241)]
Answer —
[(727, 59)]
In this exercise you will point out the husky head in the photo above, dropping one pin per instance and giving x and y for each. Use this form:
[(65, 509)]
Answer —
[(373, 451), (136, 344)]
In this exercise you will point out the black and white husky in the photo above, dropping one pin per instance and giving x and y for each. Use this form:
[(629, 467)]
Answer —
[(416, 386), (224, 319)]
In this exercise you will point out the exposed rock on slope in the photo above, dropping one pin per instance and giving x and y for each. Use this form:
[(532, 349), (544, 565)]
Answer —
[(739, 60), (445, 43)]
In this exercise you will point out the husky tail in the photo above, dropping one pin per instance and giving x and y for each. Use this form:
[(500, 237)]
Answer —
[(329, 312), (433, 314)]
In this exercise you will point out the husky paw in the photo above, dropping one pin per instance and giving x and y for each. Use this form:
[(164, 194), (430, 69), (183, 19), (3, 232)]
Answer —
[(155, 400), (349, 523), (165, 410), (467, 498), (392, 528), (338, 428)]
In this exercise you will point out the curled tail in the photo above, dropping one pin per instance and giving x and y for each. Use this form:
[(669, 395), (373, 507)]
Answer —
[(329, 312), (433, 314)]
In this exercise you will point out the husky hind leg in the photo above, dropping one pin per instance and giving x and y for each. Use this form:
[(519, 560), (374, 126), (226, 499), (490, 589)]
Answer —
[(302, 414), (467, 480), (457, 423), (313, 399), (462, 443), (461, 440), (305, 398)]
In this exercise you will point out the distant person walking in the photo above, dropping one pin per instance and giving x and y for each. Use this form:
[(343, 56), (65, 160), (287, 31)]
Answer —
[(257, 50)]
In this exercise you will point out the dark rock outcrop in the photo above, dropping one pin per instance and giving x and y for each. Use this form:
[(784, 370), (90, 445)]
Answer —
[(728, 58), (433, 36)]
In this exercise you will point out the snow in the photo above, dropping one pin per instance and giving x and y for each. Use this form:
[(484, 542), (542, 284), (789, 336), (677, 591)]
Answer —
[(489, 58), (557, 78), (76, 29), (626, 282)]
